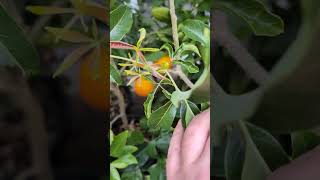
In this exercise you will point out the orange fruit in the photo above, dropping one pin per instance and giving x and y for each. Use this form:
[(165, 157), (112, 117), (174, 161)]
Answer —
[(95, 91), (165, 62), (143, 87)]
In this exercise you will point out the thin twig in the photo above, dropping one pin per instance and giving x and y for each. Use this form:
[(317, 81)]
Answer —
[(183, 77), (122, 105), (225, 38)]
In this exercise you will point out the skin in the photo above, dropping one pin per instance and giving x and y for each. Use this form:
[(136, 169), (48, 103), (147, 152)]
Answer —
[(189, 155), (306, 167), (189, 150)]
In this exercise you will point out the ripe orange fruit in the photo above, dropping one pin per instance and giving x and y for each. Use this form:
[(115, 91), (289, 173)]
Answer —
[(95, 91), (165, 62), (143, 87)]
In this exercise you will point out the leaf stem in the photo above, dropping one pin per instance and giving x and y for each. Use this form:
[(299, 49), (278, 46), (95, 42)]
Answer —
[(174, 83)]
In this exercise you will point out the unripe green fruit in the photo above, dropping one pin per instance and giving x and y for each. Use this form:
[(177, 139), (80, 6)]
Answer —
[(161, 13)]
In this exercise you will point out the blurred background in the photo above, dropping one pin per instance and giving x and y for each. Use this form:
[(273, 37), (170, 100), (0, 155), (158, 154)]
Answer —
[(51, 128)]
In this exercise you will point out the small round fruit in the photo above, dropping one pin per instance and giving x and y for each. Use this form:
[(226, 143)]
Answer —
[(161, 13), (143, 87), (164, 62), (94, 91)]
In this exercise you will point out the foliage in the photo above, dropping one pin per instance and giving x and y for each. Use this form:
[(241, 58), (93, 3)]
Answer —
[(255, 116), (175, 57)]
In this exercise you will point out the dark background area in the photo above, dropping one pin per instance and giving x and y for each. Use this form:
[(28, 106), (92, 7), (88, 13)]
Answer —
[(40, 113)]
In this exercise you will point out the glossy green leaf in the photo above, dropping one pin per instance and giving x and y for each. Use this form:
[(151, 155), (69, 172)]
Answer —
[(143, 33), (194, 29), (91, 9), (157, 171), (261, 20), (151, 150), (148, 104), (189, 66), (163, 117), (234, 155), (169, 49), (119, 142), (111, 136), (188, 110), (47, 10), (15, 45), (135, 138), (254, 167), (132, 175), (120, 22), (114, 174), (179, 96), (201, 89), (69, 35), (124, 161), (115, 75), (186, 47), (269, 148), (72, 58)]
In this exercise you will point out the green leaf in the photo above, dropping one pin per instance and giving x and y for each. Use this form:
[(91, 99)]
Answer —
[(72, 58), (120, 22), (114, 174), (188, 110), (132, 175), (194, 29), (149, 49), (124, 161), (234, 156), (111, 136), (179, 96), (68, 35), (14, 43), (154, 56), (162, 142), (254, 167), (88, 8), (185, 47), (143, 33), (169, 49), (261, 20), (163, 117), (128, 149), (115, 75), (166, 93), (47, 10), (189, 66), (157, 171), (151, 150), (118, 144), (148, 104), (303, 141), (270, 149), (201, 89), (135, 138)]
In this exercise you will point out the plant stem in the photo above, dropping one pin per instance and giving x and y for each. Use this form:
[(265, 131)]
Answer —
[(225, 38), (174, 83), (173, 16)]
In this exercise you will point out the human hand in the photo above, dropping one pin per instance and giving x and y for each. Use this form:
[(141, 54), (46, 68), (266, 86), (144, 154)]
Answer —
[(305, 167), (189, 150)]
